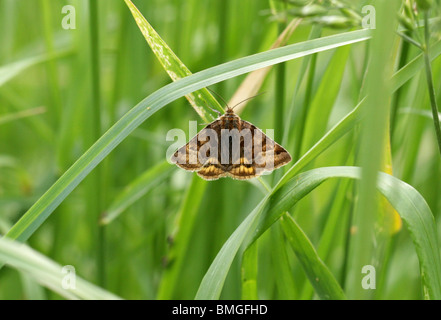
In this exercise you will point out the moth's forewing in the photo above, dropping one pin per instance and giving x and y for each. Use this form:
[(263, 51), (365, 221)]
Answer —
[(267, 154)]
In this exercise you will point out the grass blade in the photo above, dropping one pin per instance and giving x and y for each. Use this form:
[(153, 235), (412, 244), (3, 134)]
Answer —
[(180, 237), (249, 273), (176, 69), (318, 273), (136, 189), (407, 72), (212, 283), (47, 272), (373, 149)]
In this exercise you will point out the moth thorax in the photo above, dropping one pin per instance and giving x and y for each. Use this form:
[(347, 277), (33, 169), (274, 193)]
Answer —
[(230, 121)]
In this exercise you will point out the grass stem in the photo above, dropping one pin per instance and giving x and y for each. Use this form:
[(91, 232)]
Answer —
[(429, 77), (96, 196)]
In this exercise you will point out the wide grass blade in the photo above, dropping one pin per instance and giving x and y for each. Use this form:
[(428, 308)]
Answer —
[(47, 272), (372, 156)]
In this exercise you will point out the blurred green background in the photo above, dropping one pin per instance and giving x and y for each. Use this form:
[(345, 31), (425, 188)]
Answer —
[(53, 107)]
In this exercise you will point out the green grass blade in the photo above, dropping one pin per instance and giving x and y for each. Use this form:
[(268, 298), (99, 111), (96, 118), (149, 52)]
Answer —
[(47, 272), (373, 143), (19, 106), (297, 110), (318, 273), (333, 135), (31, 289), (180, 237), (136, 189), (287, 287), (409, 70), (176, 69), (249, 272), (39, 212), (212, 283), (322, 103)]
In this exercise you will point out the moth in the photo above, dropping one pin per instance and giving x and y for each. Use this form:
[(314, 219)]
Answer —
[(230, 147)]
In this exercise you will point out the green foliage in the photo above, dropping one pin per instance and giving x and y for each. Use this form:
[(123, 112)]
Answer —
[(136, 227)]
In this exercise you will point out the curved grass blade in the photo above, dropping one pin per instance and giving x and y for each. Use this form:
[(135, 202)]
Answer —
[(333, 135), (47, 272), (411, 206), (39, 212), (321, 278), (320, 106), (136, 189)]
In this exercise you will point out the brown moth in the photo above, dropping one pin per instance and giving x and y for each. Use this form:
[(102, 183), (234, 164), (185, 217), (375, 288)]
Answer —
[(230, 147)]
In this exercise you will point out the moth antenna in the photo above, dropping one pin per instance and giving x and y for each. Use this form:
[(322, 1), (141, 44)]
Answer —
[(219, 96), (249, 98)]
